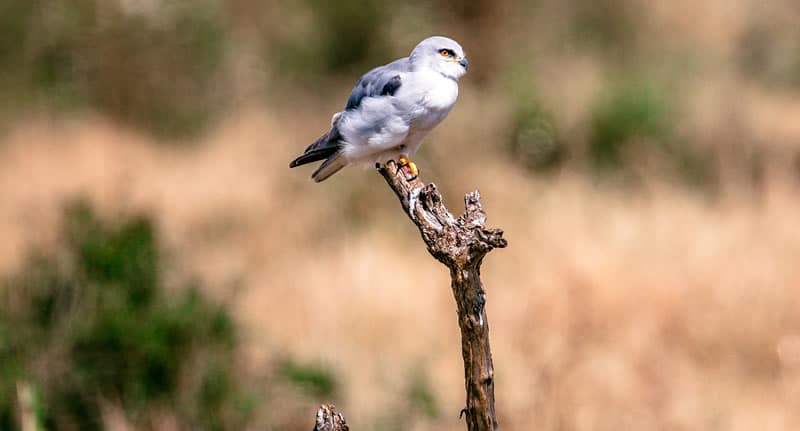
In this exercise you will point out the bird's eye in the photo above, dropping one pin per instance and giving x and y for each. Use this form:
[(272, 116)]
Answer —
[(445, 52)]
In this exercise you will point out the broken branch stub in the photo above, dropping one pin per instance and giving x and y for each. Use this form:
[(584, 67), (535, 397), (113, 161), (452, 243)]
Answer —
[(328, 419)]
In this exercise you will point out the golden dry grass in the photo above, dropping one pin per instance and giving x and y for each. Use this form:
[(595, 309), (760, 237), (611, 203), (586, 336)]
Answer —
[(654, 309)]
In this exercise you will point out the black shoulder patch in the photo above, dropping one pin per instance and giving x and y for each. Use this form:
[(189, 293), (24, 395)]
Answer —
[(367, 87), (359, 92), (391, 87)]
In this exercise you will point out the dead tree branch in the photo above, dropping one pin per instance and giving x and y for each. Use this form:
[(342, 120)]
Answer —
[(460, 244), (328, 419)]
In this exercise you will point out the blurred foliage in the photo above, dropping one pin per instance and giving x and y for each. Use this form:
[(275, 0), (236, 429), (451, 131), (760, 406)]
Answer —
[(152, 69), (534, 140), (93, 325), (634, 122), (170, 67), (15, 18), (417, 403), (350, 31), (312, 379), (766, 54), (606, 26), (421, 396), (626, 115), (332, 40)]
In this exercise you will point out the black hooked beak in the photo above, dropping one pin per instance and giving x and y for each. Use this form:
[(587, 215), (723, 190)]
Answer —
[(464, 63)]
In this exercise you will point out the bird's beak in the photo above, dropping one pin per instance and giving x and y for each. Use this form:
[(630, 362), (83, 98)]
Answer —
[(464, 63)]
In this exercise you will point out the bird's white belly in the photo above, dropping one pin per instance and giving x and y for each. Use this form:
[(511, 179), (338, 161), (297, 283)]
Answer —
[(385, 127)]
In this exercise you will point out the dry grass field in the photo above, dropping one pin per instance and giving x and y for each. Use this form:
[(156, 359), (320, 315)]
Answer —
[(660, 293), (610, 309)]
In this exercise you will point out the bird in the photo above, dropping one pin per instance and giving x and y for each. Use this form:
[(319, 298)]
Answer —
[(390, 110)]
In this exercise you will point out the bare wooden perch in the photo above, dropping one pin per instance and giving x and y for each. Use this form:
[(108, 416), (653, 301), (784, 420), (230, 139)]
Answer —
[(460, 244)]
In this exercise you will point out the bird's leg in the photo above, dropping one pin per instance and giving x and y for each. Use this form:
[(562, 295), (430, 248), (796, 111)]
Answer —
[(409, 165)]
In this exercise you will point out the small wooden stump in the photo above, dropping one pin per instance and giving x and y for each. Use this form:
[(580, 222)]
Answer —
[(328, 419)]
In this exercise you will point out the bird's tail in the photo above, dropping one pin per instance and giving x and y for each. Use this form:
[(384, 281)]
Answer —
[(331, 166), (321, 149), (325, 148)]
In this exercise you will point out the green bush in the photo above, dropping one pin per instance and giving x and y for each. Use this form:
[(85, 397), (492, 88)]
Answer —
[(352, 31), (608, 27), (534, 141), (622, 116), (421, 397), (94, 323), (159, 74), (770, 54), (312, 379), (634, 121), (341, 39)]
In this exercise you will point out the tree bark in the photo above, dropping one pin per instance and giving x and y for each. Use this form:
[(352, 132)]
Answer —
[(460, 244), (328, 419)]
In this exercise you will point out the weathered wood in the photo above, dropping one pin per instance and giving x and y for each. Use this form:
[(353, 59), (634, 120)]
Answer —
[(328, 419), (460, 244)]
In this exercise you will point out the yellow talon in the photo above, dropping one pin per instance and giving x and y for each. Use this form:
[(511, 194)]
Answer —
[(412, 167)]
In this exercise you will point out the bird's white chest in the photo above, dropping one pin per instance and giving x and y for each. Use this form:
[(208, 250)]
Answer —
[(434, 97), (440, 92)]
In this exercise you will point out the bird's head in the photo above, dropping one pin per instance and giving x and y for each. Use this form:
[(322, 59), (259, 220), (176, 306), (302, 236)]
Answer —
[(441, 54)]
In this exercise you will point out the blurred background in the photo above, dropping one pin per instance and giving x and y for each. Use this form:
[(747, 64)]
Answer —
[(162, 269)]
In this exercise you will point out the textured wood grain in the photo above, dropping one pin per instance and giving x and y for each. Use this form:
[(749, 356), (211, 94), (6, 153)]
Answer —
[(328, 419), (460, 244)]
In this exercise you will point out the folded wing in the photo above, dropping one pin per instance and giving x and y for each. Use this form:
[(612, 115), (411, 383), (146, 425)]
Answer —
[(379, 82)]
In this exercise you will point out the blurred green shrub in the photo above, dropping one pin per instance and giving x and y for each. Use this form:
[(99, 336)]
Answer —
[(416, 404), (351, 31), (770, 54), (94, 324), (421, 396), (338, 38), (624, 115), (635, 121), (533, 140), (15, 17), (155, 69), (606, 26), (312, 379)]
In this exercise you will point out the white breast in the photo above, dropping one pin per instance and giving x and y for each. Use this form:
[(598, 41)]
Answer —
[(432, 96), (441, 92)]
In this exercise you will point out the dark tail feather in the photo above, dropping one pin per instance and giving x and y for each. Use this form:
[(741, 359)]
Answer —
[(331, 166), (313, 156), (326, 146)]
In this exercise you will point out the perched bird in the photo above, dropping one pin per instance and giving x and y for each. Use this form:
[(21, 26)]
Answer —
[(391, 109)]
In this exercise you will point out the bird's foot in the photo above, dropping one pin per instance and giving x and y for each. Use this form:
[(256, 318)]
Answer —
[(408, 167)]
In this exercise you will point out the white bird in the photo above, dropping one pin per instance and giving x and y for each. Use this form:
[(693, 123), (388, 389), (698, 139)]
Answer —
[(391, 109)]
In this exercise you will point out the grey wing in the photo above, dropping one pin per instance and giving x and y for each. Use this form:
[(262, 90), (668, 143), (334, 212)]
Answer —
[(381, 81)]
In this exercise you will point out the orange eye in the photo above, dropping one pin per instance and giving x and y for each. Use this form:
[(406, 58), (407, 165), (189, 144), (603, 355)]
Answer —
[(445, 53)]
